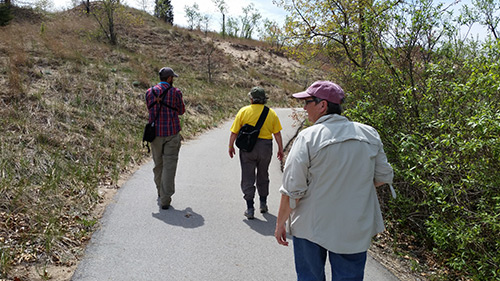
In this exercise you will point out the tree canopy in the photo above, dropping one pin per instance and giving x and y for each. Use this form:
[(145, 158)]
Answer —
[(164, 10), (433, 94)]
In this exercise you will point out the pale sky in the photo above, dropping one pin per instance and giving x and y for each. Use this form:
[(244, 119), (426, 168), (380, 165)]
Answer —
[(266, 8)]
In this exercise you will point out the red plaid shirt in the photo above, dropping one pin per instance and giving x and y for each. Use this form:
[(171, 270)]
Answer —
[(168, 123)]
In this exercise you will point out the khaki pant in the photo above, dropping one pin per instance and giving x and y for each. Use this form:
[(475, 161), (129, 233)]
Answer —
[(165, 155), (255, 170)]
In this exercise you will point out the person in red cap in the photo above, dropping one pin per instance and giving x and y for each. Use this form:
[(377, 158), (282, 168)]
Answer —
[(165, 104), (328, 191)]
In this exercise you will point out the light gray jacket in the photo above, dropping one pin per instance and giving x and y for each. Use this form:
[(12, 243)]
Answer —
[(331, 168)]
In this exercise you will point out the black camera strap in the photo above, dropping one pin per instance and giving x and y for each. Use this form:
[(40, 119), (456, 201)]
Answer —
[(262, 118)]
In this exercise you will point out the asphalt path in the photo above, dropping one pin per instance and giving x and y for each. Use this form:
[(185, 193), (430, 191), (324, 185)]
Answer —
[(203, 235)]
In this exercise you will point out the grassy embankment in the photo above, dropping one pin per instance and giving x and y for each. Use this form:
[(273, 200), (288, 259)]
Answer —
[(72, 115)]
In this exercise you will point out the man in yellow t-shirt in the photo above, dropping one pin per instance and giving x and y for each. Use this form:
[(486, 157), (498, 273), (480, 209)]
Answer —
[(255, 164)]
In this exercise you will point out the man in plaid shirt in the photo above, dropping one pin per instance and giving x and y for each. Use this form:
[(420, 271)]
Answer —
[(165, 104)]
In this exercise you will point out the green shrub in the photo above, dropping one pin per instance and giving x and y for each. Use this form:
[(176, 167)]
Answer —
[(443, 142)]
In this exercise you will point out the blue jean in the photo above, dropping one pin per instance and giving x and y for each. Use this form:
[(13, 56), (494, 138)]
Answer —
[(310, 261)]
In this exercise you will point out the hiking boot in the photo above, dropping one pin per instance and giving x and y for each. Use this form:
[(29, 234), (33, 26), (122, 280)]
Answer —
[(263, 208), (249, 213), (165, 204)]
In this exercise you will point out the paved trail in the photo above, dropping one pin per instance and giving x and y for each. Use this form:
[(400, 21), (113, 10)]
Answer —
[(204, 235)]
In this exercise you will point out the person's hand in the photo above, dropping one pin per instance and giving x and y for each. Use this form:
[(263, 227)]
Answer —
[(231, 151), (280, 155), (280, 235)]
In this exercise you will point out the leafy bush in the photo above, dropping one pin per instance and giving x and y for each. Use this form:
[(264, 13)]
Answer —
[(443, 142)]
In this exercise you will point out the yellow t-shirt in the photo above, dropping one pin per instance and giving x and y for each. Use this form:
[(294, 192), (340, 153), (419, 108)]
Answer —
[(250, 115)]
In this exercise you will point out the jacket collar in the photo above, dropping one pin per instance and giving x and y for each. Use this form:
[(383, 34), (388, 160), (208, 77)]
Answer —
[(330, 118)]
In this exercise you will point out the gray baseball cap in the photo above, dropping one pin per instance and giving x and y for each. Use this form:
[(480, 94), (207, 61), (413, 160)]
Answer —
[(167, 72)]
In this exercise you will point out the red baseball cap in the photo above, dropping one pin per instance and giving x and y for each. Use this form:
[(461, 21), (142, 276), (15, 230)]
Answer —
[(324, 90)]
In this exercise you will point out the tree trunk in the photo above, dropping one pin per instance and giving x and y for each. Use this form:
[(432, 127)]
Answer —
[(223, 26), (112, 33)]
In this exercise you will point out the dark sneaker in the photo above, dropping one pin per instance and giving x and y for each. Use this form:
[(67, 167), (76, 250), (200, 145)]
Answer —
[(165, 204), (263, 208), (249, 213)]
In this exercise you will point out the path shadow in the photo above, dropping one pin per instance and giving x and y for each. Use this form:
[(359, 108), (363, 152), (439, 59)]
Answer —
[(264, 227), (186, 218)]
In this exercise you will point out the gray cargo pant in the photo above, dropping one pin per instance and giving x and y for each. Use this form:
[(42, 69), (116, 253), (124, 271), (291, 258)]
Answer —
[(165, 155), (255, 170)]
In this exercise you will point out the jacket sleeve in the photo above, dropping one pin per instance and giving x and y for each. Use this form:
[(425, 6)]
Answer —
[(296, 170), (383, 170), (181, 108), (150, 99)]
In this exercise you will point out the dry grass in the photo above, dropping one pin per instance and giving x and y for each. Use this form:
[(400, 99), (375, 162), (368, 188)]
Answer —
[(72, 114)]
